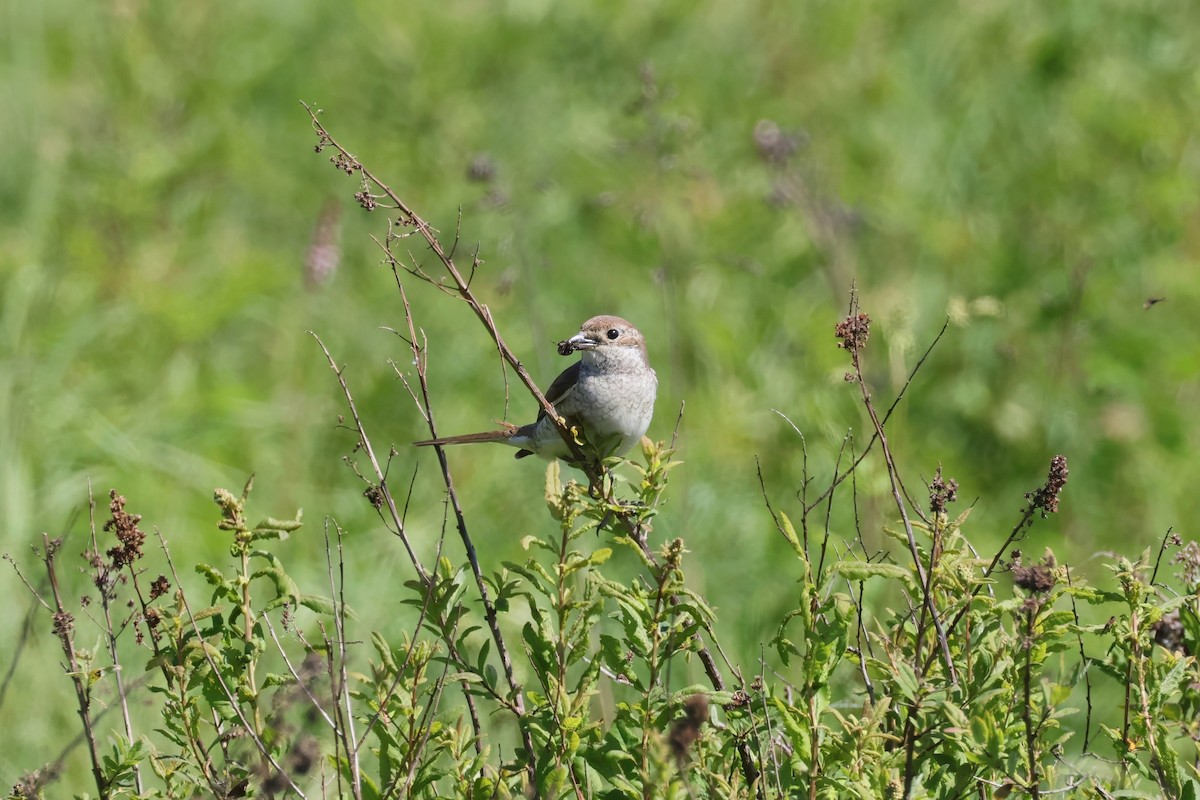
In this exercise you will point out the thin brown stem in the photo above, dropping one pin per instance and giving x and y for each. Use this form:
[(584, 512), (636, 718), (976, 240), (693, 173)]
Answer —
[(461, 288), (898, 497), (808, 507), (489, 607), (64, 630), (104, 583), (365, 443), (341, 690)]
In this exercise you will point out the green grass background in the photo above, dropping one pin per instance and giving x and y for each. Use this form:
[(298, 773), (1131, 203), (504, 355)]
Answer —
[(1028, 169)]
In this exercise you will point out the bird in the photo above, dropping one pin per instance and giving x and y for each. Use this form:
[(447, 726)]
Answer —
[(607, 395)]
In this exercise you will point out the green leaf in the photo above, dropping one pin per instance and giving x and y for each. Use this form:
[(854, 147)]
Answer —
[(285, 588), (212, 575), (463, 677), (905, 680), (275, 679), (205, 613), (541, 651), (855, 570), (1170, 682), (789, 533), (384, 651), (280, 525), (324, 605), (786, 648), (600, 556)]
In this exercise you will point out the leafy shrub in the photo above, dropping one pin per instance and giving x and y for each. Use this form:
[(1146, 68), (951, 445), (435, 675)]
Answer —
[(926, 670)]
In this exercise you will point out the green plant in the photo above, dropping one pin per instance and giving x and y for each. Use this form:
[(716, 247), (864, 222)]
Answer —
[(592, 669)]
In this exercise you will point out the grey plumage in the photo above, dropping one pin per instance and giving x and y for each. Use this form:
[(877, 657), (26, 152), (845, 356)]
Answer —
[(608, 394)]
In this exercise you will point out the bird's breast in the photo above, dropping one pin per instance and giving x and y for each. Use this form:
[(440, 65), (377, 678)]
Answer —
[(617, 402)]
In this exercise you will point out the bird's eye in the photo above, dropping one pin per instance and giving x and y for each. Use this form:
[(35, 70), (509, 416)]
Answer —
[(612, 334)]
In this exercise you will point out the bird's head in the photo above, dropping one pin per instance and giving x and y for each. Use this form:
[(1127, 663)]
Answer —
[(605, 338)]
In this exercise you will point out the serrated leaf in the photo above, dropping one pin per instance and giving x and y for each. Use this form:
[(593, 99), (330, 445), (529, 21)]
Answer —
[(553, 490), (463, 677), (384, 651), (600, 556), (1171, 680), (274, 679), (324, 605), (789, 533), (285, 587), (855, 570), (282, 525), (212, 575), (961, 518), (906, 680), (205, 613)]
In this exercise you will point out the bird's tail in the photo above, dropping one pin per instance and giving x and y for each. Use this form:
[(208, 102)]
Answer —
[(502, 435)]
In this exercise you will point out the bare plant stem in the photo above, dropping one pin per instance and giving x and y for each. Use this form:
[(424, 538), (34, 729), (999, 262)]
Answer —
[(365, 443), (460, 521), (808, 507), (515, 701), (26, 633), (1126, 739), (1168, 538), (102, 582), (301, 683), (897, 496), (461, 288), (418, 742), (63, 624), (248, 620), (662, 577), (401, 668), (341, 682), (1087, 678)]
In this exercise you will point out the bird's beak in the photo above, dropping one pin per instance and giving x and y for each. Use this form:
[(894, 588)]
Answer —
[(580, 341)]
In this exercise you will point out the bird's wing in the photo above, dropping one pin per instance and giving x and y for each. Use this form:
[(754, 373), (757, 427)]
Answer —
[(561, 389)]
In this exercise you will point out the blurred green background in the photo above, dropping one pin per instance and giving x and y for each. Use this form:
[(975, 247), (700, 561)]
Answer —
[(717, 172)]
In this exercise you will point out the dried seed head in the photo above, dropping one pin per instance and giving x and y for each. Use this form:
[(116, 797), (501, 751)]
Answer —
[(1189, 558), (374, 496), (366, 200), (64, 623), (159, 587), (853, 331), (1037, 578), (129, 536), (740, 699), (941, 492), (1046, 497)]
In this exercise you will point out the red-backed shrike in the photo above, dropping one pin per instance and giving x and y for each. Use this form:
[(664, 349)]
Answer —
[(608, 394)]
